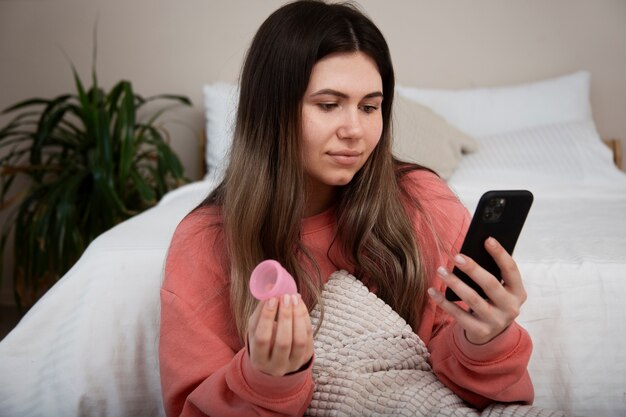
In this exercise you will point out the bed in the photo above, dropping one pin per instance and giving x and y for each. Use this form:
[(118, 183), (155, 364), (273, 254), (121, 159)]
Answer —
[(89, 346)]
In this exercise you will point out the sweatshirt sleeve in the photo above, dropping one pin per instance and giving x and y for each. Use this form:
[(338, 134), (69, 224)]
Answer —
[(205, 369), (480, 374)]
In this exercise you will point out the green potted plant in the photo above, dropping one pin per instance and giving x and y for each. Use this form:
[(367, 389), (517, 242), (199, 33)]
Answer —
[(90, 160)]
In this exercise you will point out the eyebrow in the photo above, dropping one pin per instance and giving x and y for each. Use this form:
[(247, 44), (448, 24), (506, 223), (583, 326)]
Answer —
[(330, 91)]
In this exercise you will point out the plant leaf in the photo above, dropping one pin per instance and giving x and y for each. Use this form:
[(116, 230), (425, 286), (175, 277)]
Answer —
[(90, 164)]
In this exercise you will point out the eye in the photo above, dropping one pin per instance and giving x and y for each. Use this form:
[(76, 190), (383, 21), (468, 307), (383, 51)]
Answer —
[(327, 106), (369, 108)]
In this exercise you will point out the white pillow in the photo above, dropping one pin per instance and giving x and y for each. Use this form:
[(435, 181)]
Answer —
[(220, 105), (491, 111), (564, 155), (477, 112)]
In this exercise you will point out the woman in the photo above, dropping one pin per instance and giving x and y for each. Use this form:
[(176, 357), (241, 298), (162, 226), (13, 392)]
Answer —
[(312, 183)]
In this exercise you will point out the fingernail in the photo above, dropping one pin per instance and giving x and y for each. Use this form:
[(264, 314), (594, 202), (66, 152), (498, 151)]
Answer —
[(491, 242), (295, 299), (431, 292), (459, 260), (286, 300), (442, 271), (272, 302)]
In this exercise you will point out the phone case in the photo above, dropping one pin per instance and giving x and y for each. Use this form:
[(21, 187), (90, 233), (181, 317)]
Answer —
[(499, 214)]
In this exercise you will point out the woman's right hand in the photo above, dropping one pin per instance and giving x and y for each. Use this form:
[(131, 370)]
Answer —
[(280, 335)]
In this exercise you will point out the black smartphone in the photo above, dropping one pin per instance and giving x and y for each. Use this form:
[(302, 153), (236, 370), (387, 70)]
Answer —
[(499, 214)]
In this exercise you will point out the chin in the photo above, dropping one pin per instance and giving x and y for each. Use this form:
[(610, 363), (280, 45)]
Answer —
[(336, 179), (343, 180)]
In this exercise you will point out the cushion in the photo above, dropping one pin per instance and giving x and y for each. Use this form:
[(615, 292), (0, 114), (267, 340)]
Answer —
[(423, 137), (368, 361), (490, 111)]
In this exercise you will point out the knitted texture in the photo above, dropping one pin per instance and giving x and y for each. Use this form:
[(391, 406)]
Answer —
[(369, 362)]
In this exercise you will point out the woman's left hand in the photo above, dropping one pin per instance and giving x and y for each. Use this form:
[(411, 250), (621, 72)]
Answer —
[(485, 319)]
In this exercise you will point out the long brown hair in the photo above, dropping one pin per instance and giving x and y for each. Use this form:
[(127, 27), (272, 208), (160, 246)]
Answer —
[(262, 195)]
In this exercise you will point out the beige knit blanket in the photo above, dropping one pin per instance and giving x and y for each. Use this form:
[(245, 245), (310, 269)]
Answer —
[(368, 362)]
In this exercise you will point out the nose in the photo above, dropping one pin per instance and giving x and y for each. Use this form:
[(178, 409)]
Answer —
[(351, 125)]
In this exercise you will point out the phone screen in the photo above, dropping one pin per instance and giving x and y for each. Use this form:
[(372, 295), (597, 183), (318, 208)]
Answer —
[(499, 214)]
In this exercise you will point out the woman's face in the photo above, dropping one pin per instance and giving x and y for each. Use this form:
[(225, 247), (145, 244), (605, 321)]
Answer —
[(341, 119)]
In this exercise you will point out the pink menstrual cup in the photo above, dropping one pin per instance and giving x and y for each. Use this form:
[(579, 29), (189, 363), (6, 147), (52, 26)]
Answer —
[(270, 279)]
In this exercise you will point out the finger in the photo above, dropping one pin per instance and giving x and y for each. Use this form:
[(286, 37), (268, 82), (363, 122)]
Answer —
[(463, 317), (253, 321), (262, 334), (284, 330), (508, 267), (485, 280), (302, 344), (463, 290), (487, 317), (466, 293), (477, 330)]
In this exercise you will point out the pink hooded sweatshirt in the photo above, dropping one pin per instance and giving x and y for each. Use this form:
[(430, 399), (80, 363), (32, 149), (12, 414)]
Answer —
[(205, 367)]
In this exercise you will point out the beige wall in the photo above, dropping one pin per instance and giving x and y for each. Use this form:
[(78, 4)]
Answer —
[(177, 46)]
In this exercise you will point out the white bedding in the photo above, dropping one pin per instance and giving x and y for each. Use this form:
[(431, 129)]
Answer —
[(572, 254), (89, 346), (66, 356)]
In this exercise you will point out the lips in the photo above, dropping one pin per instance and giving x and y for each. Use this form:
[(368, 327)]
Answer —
[(345, 157)]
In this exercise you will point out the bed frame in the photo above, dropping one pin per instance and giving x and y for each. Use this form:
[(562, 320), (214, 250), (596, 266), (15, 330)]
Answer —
[(616, 147)]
